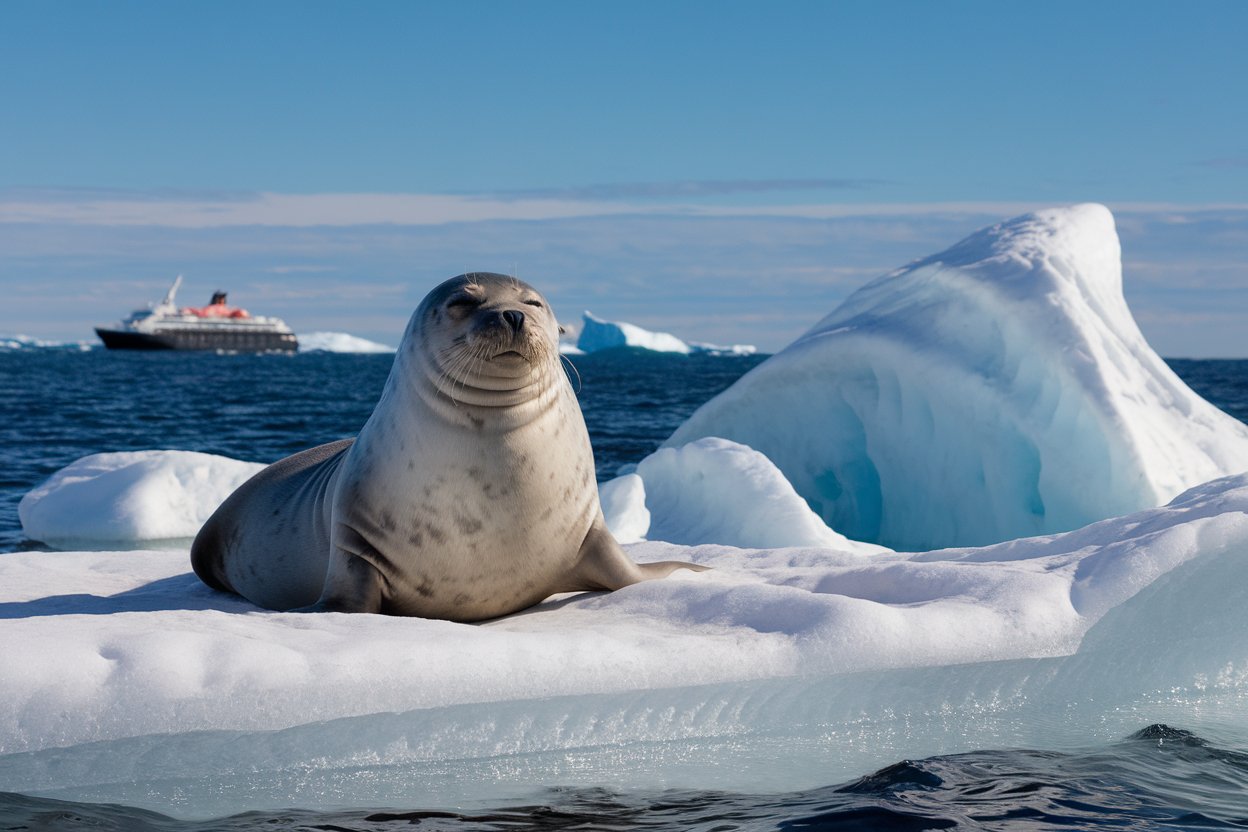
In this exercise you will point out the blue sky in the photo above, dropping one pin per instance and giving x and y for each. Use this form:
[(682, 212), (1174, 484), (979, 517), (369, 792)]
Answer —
[(727, 171)]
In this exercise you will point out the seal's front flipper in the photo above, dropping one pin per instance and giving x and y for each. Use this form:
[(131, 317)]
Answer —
[(604, 565), (353, 584)]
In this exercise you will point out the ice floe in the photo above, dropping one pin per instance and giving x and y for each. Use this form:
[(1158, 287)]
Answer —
[(780, 668), (996, 390)]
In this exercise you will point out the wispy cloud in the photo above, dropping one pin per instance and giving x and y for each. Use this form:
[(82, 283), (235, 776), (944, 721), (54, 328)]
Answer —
[(689, 189), (268, 210), (300, 269)]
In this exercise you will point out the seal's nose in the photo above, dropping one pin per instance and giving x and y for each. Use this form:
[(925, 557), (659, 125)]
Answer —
[(514, 319)]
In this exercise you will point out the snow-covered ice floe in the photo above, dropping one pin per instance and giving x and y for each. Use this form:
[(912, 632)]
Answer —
[(128, 680), (598, 334), (995, 390), (339, 342)]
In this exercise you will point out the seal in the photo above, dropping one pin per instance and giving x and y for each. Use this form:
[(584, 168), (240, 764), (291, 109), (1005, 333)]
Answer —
[(468, 494)]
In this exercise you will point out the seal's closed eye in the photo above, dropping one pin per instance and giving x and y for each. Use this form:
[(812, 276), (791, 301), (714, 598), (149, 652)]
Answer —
[(463, 302)]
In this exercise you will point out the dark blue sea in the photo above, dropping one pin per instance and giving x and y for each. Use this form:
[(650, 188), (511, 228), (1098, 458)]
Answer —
[(59, 405)]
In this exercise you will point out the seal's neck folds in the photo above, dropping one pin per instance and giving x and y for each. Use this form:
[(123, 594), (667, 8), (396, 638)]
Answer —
[(457, 385)]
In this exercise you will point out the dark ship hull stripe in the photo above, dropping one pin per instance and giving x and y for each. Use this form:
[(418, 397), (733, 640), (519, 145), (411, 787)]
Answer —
[(234, 341)]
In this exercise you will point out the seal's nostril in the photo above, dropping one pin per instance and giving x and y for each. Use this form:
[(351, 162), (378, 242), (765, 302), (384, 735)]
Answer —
[(514, 319)]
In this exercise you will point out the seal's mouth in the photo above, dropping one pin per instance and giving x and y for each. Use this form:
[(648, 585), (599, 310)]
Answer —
[(511, 354)]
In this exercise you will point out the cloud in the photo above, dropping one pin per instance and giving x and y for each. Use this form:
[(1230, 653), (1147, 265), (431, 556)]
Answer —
[(694, 188), (268, 210), (203, 210), (301, 269)]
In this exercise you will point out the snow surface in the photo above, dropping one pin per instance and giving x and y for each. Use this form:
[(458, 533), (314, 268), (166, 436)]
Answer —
[(598, 334), (338, 342), (130, 498), (996, 390), (779, 669)]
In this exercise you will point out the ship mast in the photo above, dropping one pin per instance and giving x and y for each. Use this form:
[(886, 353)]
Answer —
[(168, 304)]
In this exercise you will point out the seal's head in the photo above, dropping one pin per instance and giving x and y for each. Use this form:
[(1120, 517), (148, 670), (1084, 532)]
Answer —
[(488, 330)]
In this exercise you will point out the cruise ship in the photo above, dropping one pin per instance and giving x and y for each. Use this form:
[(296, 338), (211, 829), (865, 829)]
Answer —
[(217, 326)]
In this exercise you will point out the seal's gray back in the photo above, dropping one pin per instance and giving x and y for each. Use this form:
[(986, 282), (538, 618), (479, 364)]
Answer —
[(270, 540)]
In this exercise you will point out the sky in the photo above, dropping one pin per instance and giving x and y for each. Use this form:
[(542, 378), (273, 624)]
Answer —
[(725, 171)]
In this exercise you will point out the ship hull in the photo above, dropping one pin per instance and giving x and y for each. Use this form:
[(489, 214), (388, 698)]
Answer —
[(199, 339)]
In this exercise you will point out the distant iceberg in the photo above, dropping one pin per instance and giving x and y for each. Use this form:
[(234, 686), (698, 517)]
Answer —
[(130, 498), (339, 342), (997, 390), (598, 334), (25, 342)]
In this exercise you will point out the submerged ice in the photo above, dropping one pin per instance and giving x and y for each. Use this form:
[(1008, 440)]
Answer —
[(996, 390)]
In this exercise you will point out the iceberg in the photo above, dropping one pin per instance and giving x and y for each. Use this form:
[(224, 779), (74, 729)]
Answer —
[(598, 334), (779, 669), (339, 342), (130, 498), (996, 390)]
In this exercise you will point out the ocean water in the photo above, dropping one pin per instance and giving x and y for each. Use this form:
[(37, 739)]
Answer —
[(59, 405)]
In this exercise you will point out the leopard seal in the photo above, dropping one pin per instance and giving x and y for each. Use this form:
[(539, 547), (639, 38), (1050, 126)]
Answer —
[(468, 494)]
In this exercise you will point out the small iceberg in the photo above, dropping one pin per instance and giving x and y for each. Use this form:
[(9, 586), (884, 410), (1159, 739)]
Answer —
[(996, 390), (715, 491), (598, 334), (131, 498), (339, 342)]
